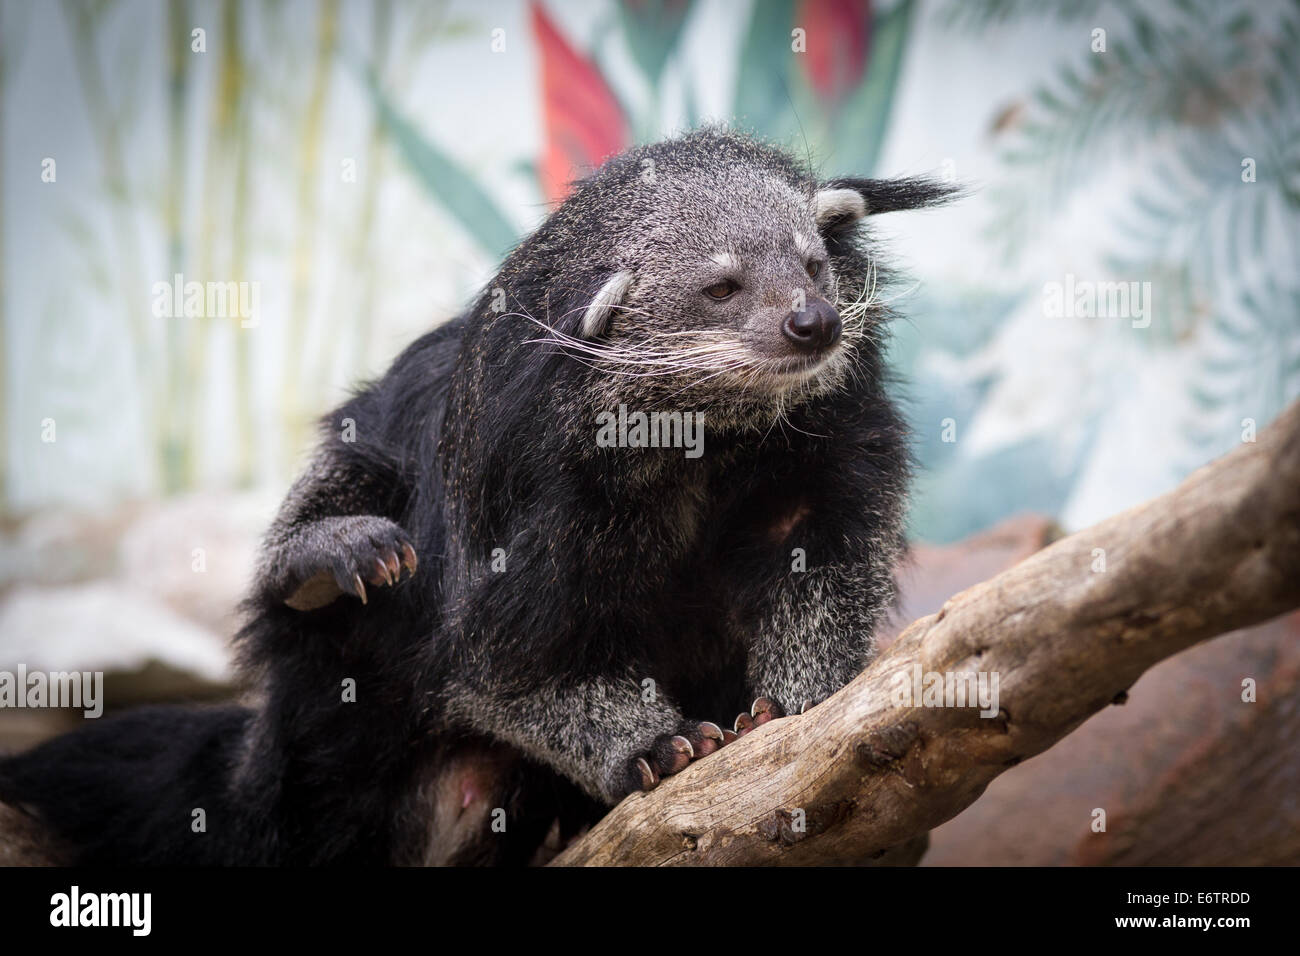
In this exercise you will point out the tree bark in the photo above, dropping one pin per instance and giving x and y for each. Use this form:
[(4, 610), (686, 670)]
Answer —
[(864, 776)]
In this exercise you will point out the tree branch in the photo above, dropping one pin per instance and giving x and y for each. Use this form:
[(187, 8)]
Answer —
[(869, 777)]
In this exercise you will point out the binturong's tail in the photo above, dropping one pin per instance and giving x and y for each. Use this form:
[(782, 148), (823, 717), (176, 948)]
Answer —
[(153, 786)]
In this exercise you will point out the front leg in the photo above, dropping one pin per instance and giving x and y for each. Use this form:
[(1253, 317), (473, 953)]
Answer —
[(809, 595), (330, 537), (599, 731), (817, 632), (314, 562), (555, 664)]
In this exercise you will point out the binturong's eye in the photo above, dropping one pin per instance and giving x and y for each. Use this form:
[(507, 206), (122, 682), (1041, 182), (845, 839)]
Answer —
[(814, 269), (722, 290)]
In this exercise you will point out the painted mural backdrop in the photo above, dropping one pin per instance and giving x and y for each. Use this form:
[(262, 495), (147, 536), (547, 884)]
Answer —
[(356, 170)]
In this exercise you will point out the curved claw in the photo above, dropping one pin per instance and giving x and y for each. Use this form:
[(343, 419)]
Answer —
[(394, 568), (711, 738), (380, 575), (409, 560), (765, 709), (761, 711), (648, 776), (672, 755)]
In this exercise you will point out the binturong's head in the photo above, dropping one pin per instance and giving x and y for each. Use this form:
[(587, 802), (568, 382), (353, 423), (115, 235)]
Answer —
[(711, 268)]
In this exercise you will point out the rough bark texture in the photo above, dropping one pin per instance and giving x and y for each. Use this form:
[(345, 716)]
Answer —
[(867, 777), (1188, 773)]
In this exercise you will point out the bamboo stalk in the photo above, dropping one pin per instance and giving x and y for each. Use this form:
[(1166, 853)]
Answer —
[(176, 40), (241, 69), (363, 317), (215, 187), (5, 403), (82, 19), (296, 420)]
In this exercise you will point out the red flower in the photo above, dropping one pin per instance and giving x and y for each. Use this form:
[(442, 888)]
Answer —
[(583, 122), (838, 35)]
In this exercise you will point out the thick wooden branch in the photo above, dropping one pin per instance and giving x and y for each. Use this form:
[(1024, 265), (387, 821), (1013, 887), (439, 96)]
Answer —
[(868, 776)]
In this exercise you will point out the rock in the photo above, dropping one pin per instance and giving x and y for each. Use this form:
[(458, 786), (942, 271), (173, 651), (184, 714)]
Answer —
[(147, 593)]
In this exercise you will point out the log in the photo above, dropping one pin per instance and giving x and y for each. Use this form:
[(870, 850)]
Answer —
[(1164, 767), (864, 776)]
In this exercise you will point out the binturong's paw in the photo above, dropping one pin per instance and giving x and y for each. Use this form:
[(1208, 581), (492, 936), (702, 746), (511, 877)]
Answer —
[(763, 710), (672, 753), (342, 555)]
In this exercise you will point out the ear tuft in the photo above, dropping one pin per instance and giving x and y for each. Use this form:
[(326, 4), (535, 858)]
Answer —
[(892, 195), (596, 318)]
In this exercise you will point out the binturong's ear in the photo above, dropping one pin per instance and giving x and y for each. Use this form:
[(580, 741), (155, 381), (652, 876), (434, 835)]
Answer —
[(840, 203), (596, 319)]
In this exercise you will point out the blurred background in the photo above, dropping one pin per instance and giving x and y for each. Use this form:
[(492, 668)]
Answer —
[(353, 173)]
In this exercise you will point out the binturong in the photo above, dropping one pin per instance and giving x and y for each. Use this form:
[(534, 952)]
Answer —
[(476, 624)]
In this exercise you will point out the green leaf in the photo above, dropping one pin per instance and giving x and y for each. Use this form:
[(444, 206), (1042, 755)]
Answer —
[(443, 178), (691, 107), (652, 29), (860, 132), (763, 79)]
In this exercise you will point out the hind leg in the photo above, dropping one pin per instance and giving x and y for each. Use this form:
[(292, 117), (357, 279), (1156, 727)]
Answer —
[(489, 806), (25, 841)]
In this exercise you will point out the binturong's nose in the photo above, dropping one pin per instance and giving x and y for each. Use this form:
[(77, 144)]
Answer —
[(816, 327)]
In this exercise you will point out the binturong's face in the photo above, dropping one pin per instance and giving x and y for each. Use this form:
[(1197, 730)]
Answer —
[(735, 292), (752, 280), (725, 274)]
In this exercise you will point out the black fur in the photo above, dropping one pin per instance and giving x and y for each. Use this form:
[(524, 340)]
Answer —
[(522, 689)]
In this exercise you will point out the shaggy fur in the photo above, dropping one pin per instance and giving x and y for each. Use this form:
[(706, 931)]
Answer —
[(576, 610)]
